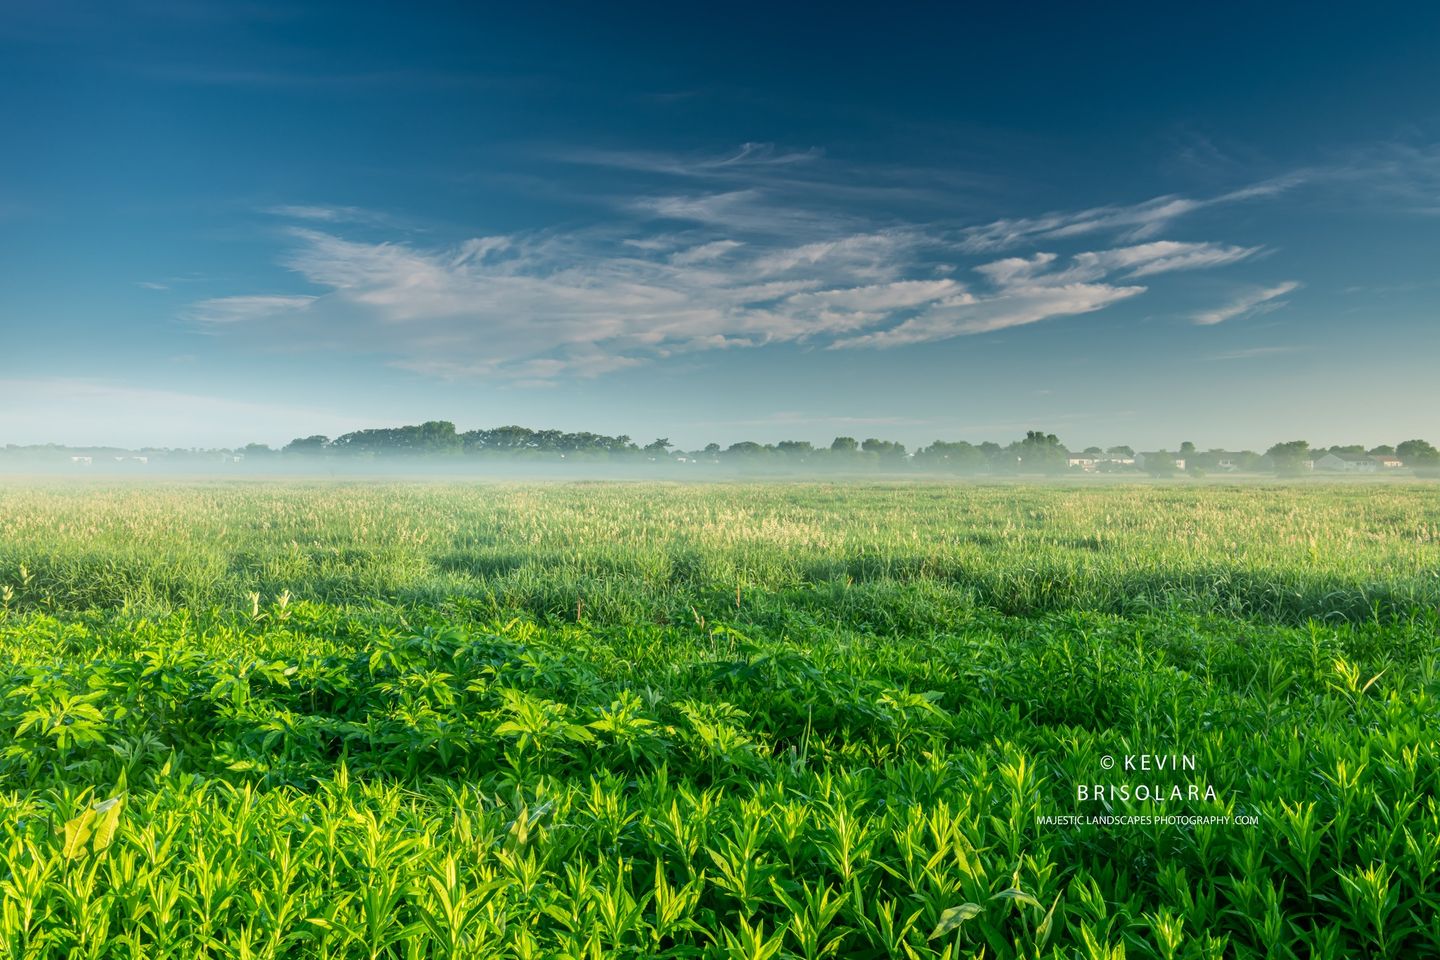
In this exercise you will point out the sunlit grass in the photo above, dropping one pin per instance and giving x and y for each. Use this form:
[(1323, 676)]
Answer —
[(750, 720)]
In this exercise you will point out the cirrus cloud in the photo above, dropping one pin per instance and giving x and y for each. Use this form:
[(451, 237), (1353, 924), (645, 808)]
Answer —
[(698, 270), (1251, 302)]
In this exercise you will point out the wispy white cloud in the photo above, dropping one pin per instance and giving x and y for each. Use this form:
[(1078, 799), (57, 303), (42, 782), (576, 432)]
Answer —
[(1141, 260), (1011, 307), (1139, 221), (1163, 256), (704, 252), (879, 297), (785, 177), (1256, 353), (222, 311), (1397, 176), (327, 213), (531, 308), (1031, 289), (1249, 303), (733, 258), (747, 157)]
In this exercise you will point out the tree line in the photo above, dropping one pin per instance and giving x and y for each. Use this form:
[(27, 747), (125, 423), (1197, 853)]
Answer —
[(1038, 452)]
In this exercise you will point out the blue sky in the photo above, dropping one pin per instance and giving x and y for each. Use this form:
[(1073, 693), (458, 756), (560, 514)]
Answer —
[(247, 221)]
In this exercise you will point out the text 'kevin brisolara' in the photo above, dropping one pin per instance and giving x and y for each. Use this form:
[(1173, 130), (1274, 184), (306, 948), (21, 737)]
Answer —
[(1143, 792)]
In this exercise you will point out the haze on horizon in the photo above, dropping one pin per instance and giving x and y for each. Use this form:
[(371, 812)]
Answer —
[(234, 223)]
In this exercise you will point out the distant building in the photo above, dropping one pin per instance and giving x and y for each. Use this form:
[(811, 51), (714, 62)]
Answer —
[(1347, 463), (1144, 460), (1388, 461), (83, 461), (1093, 462)]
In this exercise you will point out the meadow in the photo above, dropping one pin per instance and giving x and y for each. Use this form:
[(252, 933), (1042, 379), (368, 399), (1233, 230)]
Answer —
[(359, 719)]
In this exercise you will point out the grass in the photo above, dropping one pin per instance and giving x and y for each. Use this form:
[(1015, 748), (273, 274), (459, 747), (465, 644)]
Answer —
[(751, 720)]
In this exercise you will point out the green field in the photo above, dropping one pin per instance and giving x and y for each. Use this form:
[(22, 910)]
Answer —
[(293, 719)]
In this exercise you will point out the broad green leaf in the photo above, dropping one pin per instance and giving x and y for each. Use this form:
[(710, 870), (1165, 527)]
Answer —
[(1015, 893), (955, 916), (1042, 932), (75, 833), (107, 822)]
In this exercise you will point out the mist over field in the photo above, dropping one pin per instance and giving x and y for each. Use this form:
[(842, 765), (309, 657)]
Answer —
[(437, 449)]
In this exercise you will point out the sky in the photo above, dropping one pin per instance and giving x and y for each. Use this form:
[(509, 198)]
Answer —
[(249, 221)]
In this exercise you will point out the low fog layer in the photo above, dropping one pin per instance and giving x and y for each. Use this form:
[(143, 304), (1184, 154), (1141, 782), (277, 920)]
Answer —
[(437, 448)]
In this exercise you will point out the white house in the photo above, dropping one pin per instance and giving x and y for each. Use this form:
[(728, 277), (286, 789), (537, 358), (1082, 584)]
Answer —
[(1347, 463), (1141, 459)]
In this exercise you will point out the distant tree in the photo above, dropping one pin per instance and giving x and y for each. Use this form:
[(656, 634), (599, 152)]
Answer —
[(548, 440), (307, 445), (884, 449), (1093, 451), (659, 446), (1289, 457), (1121, 451), (436, 437), (958, 457), (844, 445), (795, 449), (712, 448), (1039, 452), (254, 451), (1205, 460), (745, 448), (507, 439), (1187, 449), (1384, 450), (1161, 463), (1419, 454), (427, 439), (1351, 448)]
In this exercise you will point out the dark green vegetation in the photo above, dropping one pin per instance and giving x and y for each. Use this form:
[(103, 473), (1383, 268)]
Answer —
[(437, 446), (731, 721)]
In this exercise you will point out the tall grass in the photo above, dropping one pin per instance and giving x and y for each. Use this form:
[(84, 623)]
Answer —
[(636, 550), (298, 720)]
